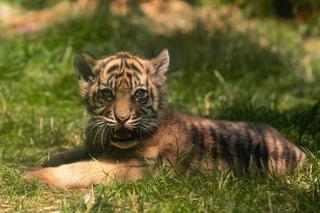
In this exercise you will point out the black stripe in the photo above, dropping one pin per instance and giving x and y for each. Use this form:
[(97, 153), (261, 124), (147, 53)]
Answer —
[(263, 155), (299, 157), (109, 60), (127, 83), (137, 77), (201, 139), (257, 155), (249, 142), (226, 155), (144, 101), (214, 140), (151, 109), (113, 68), (274, 155), (286, 153), (133, 58), (198, 140), (122, 65), (134, 68), (113, 83), (135, 82), (118, 75), (241, 153), (129, 76), (274, 152), (112, 75), (125, 64), (123, 55), (151, 94), (294, 160), (144, 110), (99, 83), (225, 139), (197, 137), (248, 150)]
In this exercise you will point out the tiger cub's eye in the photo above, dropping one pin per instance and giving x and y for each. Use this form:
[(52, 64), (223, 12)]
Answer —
[(140, 95), (106, 94)]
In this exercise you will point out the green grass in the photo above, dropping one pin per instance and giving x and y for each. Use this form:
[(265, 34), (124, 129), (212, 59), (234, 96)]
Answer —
[(223, 74)]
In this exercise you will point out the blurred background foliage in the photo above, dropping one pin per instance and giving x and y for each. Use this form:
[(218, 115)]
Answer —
[(302, 12)]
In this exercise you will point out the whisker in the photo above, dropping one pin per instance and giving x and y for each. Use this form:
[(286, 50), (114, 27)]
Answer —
[(97, 134)]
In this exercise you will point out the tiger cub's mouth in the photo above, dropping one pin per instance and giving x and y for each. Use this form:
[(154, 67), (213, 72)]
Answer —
[(124, 145), (123, 139)]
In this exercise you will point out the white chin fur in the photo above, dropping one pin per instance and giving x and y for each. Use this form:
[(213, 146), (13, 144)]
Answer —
[(126, 145)]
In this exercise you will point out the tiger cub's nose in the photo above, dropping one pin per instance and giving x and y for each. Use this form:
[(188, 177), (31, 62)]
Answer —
[(122, 119)]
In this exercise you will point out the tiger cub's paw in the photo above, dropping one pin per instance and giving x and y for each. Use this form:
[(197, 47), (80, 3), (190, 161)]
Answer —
[(42, 175)]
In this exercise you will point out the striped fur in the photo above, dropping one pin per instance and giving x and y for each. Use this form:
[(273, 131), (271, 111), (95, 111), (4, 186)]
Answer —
[(131, 127)]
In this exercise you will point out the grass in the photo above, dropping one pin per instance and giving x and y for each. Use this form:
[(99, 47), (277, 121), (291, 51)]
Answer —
[(221, 74)]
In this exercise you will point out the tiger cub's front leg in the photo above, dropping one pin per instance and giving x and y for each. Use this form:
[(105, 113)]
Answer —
[(86, 173), (74, 155)]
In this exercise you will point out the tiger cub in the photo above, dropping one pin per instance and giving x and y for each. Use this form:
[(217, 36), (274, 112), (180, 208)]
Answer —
[(131, 127)]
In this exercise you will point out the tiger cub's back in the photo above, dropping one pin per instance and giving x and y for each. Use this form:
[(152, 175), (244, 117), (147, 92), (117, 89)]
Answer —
[(242, 146)]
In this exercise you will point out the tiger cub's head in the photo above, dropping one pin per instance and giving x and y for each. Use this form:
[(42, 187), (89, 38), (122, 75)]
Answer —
[(124, 94)]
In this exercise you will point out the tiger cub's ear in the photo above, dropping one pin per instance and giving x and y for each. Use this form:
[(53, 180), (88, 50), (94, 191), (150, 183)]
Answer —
[(161, 63), (84, 64)]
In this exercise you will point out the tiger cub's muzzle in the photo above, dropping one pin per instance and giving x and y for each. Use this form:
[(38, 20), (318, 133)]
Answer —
[(123, 138)]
